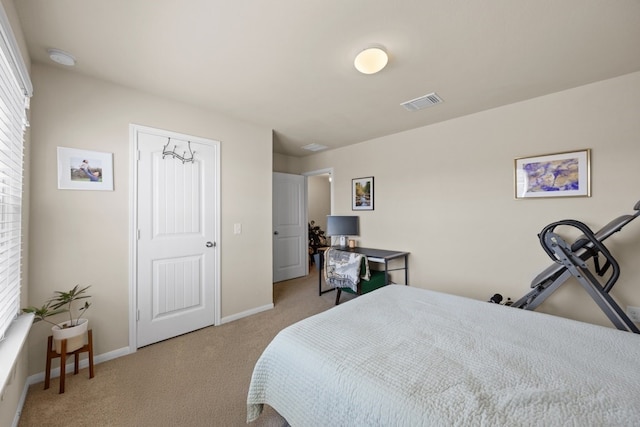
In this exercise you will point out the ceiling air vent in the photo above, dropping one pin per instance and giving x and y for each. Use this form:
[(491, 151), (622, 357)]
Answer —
[(315, 147), (422, 102)]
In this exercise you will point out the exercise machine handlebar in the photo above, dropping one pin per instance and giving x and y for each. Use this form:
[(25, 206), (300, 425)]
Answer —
[(549, 240)]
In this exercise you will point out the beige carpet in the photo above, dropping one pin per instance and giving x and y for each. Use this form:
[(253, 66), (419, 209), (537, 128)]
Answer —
[(198, 379)]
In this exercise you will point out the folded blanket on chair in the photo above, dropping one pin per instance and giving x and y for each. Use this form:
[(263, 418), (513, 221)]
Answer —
[(342, 269)]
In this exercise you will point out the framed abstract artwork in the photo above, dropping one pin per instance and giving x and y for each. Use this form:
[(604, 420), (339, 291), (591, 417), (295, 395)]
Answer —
[(362, 194), (566, 174), (84, 170)]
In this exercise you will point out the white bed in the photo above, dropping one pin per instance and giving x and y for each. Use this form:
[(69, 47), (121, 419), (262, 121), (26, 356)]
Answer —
[(403, 356)]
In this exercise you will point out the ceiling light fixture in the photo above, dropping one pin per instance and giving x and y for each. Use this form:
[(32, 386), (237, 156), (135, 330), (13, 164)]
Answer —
[(61, 57), (371, 60)]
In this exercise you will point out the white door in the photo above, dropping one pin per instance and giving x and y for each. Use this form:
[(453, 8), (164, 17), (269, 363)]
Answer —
[(290, 244), (177, 226)]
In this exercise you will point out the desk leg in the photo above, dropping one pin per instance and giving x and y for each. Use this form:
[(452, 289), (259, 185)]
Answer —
[(386, 272), (406, 270), (319, 267)]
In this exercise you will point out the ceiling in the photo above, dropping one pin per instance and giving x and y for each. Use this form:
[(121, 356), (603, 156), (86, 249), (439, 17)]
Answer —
[(288, 64)]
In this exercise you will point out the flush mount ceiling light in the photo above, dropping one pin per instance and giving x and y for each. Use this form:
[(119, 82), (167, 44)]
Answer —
[(61, 57), (371, 60)]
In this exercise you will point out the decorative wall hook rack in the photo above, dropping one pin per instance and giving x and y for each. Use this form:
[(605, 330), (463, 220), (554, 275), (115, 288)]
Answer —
[(183, 158)]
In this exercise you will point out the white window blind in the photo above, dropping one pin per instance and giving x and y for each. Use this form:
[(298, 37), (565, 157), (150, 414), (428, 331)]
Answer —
[(15, 89)]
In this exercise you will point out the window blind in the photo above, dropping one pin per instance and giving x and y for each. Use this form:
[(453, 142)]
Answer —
[(15, 89)]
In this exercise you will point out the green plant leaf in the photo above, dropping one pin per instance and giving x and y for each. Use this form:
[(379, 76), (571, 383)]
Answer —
[(61, 302)]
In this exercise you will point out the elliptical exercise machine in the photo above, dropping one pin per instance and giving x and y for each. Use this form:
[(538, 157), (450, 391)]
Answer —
[(571, 260)]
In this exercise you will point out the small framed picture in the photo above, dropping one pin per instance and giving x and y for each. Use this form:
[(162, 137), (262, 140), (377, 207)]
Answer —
[(84, 170), (566, 174), (362, 194)]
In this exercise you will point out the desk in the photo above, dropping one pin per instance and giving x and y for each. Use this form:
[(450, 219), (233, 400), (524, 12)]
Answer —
[(381, 256)]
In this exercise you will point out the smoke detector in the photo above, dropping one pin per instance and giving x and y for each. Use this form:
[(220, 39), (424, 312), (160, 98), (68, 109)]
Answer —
[(61, 57)]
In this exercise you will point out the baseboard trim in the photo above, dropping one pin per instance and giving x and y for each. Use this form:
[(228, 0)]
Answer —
[(247, 313)]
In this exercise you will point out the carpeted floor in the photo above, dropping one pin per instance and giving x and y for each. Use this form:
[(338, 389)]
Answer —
[(197, 379)]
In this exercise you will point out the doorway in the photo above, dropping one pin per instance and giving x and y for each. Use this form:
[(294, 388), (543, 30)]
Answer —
[(289, 227), (175, 229), (319, 199), (298, 199)]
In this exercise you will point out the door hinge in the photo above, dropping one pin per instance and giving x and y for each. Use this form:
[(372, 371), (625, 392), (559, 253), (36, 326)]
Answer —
[(138, 234), (137, 315), (138, 155)]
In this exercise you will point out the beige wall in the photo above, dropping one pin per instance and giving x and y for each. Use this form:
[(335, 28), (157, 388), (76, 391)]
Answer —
[(82, 237), (446, 193), (285, 164), (319, 199)]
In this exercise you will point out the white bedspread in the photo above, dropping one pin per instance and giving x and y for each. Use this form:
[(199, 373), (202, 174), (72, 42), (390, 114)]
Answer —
[(403, 356)]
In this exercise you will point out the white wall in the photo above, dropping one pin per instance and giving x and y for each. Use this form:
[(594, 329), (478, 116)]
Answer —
[(82, 237), (446, 193)]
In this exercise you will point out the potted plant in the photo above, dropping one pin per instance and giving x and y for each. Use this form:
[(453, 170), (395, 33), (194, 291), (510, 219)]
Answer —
[(317, 240), (74, 329)]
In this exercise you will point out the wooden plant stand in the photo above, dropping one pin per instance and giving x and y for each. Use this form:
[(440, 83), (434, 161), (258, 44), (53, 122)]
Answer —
[(52, 354)]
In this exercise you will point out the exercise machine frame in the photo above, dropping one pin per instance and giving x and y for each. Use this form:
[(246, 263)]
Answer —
[(571, 260)]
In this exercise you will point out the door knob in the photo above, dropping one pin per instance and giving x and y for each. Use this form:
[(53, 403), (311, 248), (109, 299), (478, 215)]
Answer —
[(275, 232), (210, 244)]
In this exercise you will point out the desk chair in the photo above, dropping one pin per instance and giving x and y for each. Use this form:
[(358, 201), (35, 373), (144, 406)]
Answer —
[(377, 280)]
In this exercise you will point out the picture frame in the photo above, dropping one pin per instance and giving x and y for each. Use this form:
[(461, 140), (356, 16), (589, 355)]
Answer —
[(362, 192), (84, 170), (565, 174)]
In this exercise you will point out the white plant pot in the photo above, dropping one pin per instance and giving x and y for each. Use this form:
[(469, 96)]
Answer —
[(74, 335)]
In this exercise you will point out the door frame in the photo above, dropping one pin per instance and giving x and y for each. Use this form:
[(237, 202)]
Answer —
[(133, 224)]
